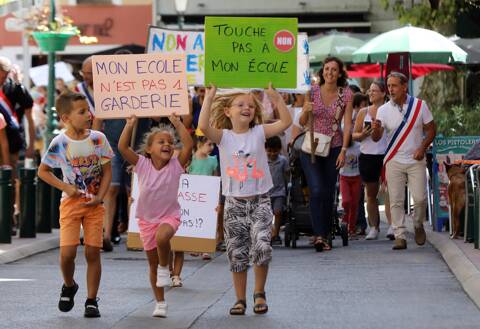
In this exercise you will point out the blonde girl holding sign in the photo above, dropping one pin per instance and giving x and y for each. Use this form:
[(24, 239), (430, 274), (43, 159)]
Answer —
[(234, 122), (158, 210)]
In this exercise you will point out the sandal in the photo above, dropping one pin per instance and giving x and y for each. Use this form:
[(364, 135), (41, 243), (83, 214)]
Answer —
[(239, 307), (260, 308), (320, 245)]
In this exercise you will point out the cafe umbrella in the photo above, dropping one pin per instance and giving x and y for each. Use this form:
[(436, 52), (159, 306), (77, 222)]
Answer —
[(423, 45), (340, 45)]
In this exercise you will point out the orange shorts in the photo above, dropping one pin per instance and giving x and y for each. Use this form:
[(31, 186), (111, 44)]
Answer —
[(73, 214)]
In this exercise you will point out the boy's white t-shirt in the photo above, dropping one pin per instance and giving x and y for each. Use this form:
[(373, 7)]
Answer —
[(350, 168), (391, 117), (244, 163)]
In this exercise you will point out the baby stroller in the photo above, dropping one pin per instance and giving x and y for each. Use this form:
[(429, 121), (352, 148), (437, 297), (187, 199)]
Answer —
[(298, 221)]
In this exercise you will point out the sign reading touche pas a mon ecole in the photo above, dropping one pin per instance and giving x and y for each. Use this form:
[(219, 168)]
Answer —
[(246, 52)]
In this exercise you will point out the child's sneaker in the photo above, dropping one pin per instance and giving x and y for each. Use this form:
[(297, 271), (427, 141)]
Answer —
[(163, 277), (160, 310), (91, 308), (66, 302), (372, 234), (390, 233), (206, 256), (176, 281)]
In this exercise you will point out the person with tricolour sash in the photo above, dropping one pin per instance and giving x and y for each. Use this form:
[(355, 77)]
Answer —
[(410, 130)]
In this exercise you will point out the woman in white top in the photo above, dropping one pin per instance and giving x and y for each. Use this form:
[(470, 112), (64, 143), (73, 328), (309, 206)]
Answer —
[(371, 157), (296, 111)]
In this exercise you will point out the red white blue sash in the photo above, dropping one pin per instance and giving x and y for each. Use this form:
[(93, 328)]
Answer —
[(82, 87), (6, 108), (401, 134)]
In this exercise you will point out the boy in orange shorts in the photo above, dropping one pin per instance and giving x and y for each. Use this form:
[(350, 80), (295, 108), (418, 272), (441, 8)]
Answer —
[(84, 156)]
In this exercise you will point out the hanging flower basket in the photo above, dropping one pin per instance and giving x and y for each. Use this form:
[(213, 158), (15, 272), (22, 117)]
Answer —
[(49, 41)]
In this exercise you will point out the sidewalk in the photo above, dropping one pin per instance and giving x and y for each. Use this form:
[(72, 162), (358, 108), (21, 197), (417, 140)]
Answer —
[(25, 247), (462, 259)]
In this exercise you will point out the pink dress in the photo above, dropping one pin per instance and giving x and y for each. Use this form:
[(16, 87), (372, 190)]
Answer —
[(158, 199)]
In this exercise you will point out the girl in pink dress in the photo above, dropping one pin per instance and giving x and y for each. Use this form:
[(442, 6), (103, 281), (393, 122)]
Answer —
[(158, 210)]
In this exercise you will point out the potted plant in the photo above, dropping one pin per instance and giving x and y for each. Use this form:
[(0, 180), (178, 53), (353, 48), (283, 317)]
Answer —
[(50, 36)]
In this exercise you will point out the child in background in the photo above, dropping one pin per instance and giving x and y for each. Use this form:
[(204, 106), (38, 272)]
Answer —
[(278, 169), (234, 122), (158, 210), (350, 188), (84, 156), (203, 164)]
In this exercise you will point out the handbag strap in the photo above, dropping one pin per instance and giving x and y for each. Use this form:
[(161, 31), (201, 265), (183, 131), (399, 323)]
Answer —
[(339, 108)]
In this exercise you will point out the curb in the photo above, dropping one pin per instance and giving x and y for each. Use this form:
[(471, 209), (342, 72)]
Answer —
[(464, 270), (29, 249)]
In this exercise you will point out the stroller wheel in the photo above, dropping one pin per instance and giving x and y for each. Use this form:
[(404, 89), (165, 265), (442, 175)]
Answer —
[(288, 235), (344, 233)]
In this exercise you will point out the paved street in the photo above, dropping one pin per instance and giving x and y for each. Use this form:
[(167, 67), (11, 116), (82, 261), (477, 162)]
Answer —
[(365, 285)]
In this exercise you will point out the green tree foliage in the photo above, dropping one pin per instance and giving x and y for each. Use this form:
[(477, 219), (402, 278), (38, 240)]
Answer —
[(460, 120), (435, 15)]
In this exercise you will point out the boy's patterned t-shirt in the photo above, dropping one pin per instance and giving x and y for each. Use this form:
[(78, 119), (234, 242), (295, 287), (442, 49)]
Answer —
[(80, 160)]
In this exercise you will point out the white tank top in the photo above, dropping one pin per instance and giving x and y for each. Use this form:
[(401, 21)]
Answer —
[(368, 146)]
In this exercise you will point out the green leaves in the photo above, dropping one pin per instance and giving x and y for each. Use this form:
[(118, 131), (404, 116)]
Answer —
[(460, 120), (422, 15)]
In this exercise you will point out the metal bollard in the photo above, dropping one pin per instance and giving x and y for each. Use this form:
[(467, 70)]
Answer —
[(6, 205), (43, 218), (55, 196), (27, 202)]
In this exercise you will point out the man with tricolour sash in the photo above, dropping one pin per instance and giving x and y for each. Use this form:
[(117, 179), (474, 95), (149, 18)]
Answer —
[(410, 130)]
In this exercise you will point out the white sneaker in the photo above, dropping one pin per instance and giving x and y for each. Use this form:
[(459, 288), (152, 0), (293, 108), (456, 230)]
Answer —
[(163, 277), (176, 281), (391, 233), (160, 310), (372, 234)]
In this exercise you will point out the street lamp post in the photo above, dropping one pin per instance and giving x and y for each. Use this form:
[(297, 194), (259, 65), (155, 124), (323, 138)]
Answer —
[(181, 7), (51, 115)]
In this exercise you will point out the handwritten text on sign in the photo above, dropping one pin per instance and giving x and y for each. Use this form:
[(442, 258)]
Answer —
[(147, 85), (250, 52), (198, 197), (174, 42)]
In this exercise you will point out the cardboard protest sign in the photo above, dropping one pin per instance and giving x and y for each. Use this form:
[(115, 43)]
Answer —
[(176, 42), (303, 66), (250, 52), (147, 85), (198, 197)]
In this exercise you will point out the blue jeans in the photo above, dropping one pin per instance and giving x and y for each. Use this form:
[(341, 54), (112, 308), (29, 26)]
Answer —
[(321, 179)]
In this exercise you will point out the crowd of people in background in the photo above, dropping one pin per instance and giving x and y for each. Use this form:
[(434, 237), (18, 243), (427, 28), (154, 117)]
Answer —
[(362, 125)]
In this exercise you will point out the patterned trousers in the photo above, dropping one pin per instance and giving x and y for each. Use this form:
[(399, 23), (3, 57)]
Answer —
[(248, 231)]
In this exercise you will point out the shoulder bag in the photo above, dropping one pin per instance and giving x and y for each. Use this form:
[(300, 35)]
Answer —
[(320, 143)]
